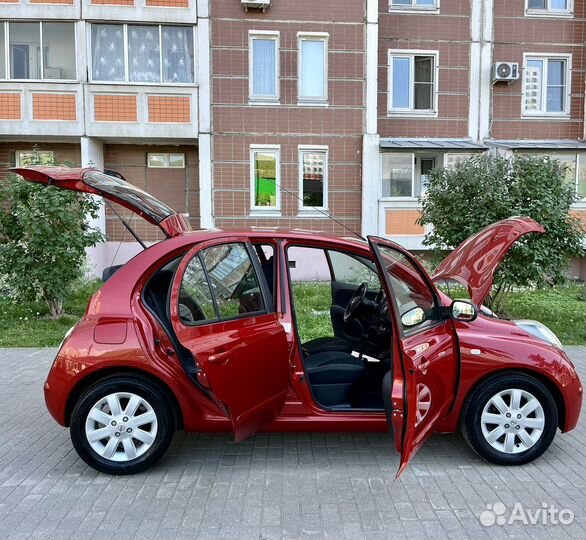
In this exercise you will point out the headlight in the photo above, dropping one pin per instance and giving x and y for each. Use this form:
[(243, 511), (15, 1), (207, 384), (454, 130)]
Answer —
[(540, 331)]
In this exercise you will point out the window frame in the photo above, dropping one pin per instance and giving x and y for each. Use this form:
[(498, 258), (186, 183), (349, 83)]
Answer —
[(167, 156), (548, 11), (265, 210), (414, 8), (384, 276), (413, 173), (323, 37), (268, 306), (545, 58), (313, 149), (126, 81), (17, 153), (7, 63), (411, 54), (275, 36)]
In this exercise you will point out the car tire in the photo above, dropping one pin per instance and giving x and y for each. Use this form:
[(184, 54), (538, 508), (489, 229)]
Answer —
[(510, 419), (122, 425)]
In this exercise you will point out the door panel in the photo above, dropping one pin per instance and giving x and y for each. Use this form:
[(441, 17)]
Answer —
[(425, 376), (240, 347)]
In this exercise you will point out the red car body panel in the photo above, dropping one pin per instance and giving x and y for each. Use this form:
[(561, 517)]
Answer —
[(118, 334), (474, 262)]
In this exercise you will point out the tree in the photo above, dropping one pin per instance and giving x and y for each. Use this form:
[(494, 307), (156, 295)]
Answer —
[(477, 192), (44, 232)]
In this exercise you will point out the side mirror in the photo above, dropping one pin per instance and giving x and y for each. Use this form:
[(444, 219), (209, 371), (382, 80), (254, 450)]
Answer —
[(413, 317), (461, 310)]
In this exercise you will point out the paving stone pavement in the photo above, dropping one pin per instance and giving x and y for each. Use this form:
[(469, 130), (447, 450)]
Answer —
[(283, 486)]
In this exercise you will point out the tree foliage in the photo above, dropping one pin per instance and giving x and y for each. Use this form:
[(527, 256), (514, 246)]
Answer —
[(462, 200), (44, 232)]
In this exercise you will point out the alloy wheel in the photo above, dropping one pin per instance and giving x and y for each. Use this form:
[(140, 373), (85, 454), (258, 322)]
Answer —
[(121, 426), (512, 421)]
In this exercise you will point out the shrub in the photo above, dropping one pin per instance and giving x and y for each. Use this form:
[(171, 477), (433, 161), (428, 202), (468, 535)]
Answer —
[(44, 232), (466, 198)]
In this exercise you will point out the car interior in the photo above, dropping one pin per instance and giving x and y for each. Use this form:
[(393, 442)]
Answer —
[(345, 366), (346, 354)]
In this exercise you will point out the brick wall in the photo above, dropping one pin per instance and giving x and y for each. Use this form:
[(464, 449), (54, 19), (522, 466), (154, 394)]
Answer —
[(64, 152), (448, 33), (516, 34), (237, 124), (179, 188)]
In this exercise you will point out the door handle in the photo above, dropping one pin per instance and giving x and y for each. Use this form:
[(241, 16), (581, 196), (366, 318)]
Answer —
[(423, 366), (219, 358)]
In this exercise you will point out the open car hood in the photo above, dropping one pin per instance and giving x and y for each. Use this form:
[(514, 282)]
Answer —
[(474, 262), (112, 188)]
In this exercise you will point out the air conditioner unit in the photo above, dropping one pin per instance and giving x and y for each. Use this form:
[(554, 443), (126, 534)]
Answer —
[(255, 4), (505, 71)]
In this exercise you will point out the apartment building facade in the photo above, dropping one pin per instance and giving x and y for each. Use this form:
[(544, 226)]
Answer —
[(434, 96), (297, 115), (118, 84), (288, 113)]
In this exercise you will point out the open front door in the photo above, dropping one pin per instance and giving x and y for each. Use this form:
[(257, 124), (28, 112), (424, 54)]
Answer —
[(220, 311), (424, 378)]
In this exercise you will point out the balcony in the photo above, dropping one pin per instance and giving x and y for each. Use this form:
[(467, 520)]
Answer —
[(41, 9), (159, 11), (146, 112), (41, 109)]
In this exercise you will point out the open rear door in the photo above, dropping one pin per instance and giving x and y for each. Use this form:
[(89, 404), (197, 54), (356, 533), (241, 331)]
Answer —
[(426, 363), (110, 187), (221, 313)]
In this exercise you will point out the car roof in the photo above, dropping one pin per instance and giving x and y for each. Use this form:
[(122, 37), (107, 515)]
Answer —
[(273, 232)]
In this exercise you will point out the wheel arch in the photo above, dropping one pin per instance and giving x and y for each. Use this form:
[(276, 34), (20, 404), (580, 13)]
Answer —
[(547, 381), (106, 373)]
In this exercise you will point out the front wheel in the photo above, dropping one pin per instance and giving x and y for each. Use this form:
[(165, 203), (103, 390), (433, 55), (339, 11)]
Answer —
[(510, 419), (121, 425)]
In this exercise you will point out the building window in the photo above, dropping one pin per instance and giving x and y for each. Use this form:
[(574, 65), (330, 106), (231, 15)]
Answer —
[(548, 7), (412, 82), (142, 54), (313, 68), (546, 89), (265, 178), (23, 158), (264, 66), (313, 178), (37, 51), (406, 174), (415, 4), (166, 161)]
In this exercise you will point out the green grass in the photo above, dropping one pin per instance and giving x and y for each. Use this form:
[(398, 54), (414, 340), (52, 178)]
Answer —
[(562, 309), (27, 324), (312, 307)]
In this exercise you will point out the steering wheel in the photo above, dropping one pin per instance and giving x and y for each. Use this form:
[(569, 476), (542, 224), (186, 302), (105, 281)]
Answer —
[(355, 301)]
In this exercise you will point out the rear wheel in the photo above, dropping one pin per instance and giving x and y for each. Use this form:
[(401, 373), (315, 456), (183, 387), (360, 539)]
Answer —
[(122, 425), (510, 419)]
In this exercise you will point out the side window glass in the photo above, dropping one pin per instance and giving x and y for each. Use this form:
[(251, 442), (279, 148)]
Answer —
[(233, 280), (413, 296), (354, 270), (195, 296)]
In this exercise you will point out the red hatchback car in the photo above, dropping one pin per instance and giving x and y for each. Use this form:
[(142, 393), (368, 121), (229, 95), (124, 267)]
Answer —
[(199, 332)]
